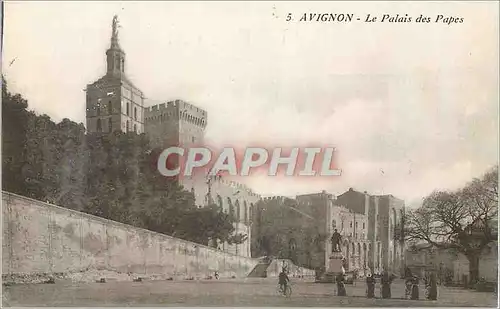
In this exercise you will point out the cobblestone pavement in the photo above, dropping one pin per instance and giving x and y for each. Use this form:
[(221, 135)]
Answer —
[(248, 292)]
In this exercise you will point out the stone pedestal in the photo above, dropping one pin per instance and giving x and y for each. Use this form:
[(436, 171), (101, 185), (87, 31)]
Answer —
[(336, 264)]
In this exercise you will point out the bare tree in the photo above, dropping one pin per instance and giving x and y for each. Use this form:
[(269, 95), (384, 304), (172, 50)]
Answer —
[(464, 220)]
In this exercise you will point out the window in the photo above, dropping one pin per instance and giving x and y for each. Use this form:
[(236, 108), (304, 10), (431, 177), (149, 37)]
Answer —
[(135, 113), (363, 225), (219, 202), (238, 210), (128, 126), (350, 225), (128, 109), (231, 208), (192, 139), (135, 128), (110, 125), (245, 206), (99, 128)]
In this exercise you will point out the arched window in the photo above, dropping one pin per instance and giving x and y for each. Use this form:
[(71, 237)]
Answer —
[(245, 206), (238, 211), (231, 208), (99, 125), (219, 202), (128, 109)]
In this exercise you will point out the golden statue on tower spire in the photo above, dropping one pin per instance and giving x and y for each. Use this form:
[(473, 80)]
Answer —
[(115, 26)]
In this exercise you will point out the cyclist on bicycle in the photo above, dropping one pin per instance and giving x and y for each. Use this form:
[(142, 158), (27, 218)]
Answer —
[(283, 279)]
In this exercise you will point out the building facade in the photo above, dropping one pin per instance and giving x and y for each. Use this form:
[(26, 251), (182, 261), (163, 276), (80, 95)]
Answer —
[(300, 229), (283, 231), (385, 215), (330, 215)]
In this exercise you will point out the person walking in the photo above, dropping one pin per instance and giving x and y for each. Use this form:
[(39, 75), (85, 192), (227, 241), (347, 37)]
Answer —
[(386, 284), (408, 282), (432, 287), (370, 286), (341, 285), (414, 288)]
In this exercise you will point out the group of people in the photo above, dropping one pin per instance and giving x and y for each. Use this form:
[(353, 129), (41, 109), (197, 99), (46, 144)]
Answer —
[(385, 281), (411, 284)]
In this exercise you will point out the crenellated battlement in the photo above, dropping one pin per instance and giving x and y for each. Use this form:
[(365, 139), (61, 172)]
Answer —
[(174, 111), (178, 104), (236, 185)]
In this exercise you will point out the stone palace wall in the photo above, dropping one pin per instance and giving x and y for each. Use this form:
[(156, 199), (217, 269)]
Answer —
[(40, 238)]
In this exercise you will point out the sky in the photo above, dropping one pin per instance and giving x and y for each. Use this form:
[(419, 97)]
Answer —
[(410, 107)]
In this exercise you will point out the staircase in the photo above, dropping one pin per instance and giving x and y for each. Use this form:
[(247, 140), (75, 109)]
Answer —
[(260, 270)]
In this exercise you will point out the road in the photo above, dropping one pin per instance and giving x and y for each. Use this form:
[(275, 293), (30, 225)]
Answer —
[(248, 292)]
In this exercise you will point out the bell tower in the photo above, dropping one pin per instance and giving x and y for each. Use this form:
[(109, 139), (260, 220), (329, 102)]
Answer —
[(114, 103)]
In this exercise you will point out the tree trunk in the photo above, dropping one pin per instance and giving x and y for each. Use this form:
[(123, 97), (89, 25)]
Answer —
[(473, 267)]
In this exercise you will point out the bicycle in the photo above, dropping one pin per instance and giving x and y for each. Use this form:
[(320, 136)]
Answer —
[(287, 292)]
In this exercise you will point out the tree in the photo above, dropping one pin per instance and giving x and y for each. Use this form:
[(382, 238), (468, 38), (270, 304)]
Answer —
[(206, 224), (14, 134), (463, 220)]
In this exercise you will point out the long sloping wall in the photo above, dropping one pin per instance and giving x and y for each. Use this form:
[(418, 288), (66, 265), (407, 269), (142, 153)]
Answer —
[(43, 238)]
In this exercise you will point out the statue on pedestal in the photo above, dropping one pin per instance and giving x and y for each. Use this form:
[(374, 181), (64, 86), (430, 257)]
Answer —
[(336, 239)]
